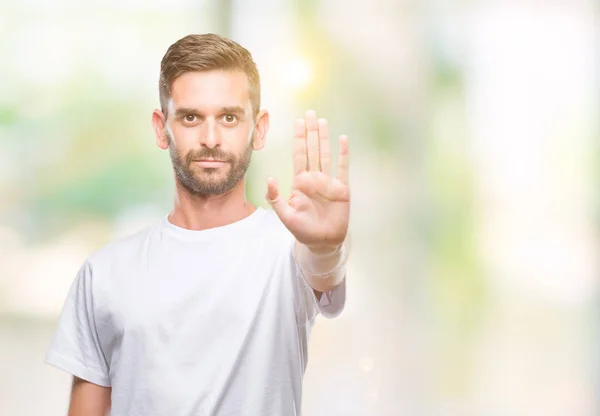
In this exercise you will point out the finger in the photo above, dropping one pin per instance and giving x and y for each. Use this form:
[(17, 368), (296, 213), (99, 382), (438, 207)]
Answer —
[(312, 141), (281, 208), (343, 159), (324, 146), (300, 159)]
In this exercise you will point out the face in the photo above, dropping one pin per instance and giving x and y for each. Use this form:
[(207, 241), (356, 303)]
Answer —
[(210, 130)]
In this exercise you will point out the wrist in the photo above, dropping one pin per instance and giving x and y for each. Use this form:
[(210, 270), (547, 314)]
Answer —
[(320, 249), (321, 260)]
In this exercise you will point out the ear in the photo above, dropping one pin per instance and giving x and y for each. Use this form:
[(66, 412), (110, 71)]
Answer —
[(158, 123), (260, 130)]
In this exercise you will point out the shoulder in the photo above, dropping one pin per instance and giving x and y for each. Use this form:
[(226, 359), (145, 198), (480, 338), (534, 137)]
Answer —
[(273, 228), (122, 248)]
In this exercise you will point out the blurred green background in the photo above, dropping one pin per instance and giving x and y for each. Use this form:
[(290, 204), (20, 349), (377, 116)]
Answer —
[(473, 283)]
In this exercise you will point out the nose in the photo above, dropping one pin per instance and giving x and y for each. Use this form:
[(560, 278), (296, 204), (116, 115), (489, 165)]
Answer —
[(209, 135)]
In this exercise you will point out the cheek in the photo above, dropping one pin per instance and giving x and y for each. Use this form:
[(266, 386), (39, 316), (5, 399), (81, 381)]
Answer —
[(183, 139), (183, 135), (249, 135), (236, 133), (241, 129)]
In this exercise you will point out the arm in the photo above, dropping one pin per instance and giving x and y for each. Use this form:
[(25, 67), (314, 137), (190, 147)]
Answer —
[(76, 348), (323, 268), (89, 399), (318, 212)]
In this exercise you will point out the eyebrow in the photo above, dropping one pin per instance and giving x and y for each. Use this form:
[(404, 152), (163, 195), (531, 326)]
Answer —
[(236, 109)]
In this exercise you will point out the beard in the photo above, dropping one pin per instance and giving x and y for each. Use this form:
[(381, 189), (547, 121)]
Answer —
[(209, 181)]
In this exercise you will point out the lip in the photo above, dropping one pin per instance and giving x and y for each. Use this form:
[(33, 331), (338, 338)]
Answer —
[(208, 163)]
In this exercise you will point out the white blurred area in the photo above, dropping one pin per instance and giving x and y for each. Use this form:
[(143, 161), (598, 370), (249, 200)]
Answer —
[(522, 124), (532, 95), (533, 101)]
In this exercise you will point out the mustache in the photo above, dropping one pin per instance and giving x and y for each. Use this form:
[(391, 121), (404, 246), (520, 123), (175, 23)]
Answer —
[(207, 153), (203, 153)]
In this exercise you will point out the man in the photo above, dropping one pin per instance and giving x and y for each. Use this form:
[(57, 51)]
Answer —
[(209, 310)]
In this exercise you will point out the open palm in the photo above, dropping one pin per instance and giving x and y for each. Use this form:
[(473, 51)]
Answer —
[(318, 211)]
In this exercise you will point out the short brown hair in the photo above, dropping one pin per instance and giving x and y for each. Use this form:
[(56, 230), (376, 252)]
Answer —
[(206, 52)]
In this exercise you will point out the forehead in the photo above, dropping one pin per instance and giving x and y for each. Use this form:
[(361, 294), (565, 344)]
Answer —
[(211, 89)]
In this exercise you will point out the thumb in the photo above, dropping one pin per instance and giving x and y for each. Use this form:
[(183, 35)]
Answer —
[(281, 208)]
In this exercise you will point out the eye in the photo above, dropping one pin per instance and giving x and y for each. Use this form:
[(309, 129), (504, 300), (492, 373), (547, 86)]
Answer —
[(229, 119), (189, 118)]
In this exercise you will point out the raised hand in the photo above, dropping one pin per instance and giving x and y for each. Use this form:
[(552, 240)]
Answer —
[(318, 211)]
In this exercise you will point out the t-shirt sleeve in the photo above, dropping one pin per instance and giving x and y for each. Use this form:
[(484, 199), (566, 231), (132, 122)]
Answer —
[(329, 305), (75, 347)]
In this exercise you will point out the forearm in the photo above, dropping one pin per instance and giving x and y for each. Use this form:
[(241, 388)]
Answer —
[(88, 399), (323, 268)]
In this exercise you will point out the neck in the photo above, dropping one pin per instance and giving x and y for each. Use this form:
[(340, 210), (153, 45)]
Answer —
[(200, 212)]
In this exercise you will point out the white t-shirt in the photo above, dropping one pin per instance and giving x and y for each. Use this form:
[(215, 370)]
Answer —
[(194, 323)]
